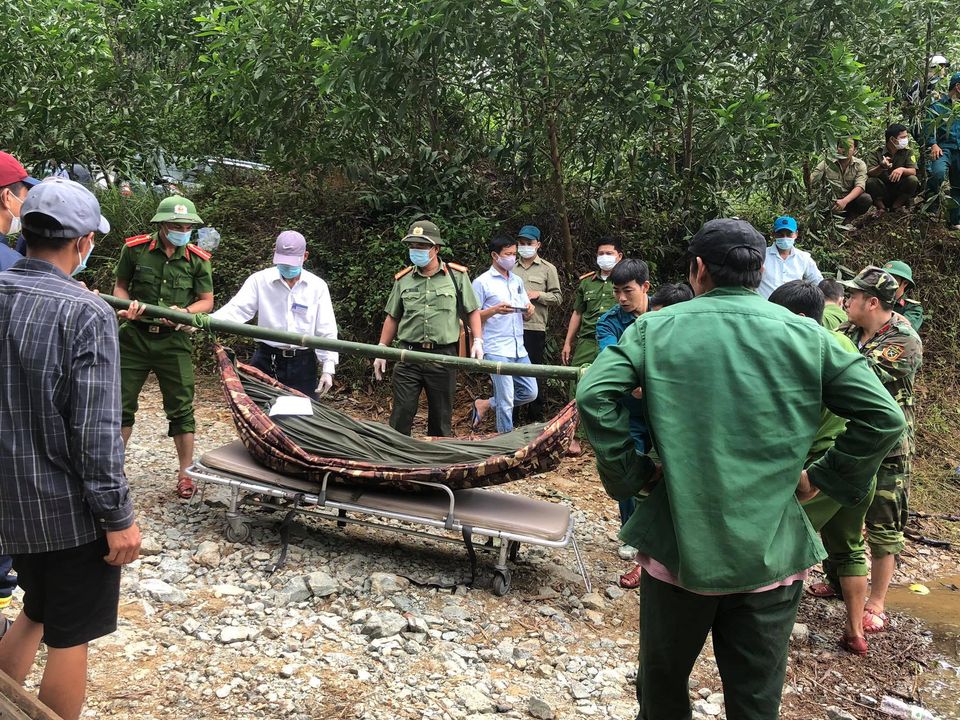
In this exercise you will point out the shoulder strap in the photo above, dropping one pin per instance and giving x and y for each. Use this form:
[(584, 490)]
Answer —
[(405, 271), (137, 240), (198, 251), (588, 275), (458, 267)]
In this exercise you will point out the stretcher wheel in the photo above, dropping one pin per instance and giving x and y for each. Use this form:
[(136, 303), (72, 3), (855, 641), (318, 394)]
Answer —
[(501, 582), (237, 532), (513, 550)]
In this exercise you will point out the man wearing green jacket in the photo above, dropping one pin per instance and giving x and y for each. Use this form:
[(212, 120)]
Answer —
[(733, 389)]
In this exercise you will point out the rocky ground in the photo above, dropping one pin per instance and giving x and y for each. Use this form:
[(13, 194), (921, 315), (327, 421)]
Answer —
[(346, 629)]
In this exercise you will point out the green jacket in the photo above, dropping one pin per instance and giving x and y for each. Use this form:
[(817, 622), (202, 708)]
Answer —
[(912, 310), (833, 316), (593, 298), (429, 308), (733, 389)]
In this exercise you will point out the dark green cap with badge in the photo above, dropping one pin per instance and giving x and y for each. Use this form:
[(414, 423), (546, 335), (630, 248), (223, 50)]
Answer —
[(423, 231), (898, 268), (874, 281), (176, 209)]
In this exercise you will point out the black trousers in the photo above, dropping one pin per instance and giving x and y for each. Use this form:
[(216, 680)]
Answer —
[(298, 372), (534, 341), (751, 633), (438, 381)]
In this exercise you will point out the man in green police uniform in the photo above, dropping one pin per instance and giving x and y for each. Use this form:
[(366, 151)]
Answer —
[(593, 298), (163, 269), (911, 309), (894, 352), (423, 313)]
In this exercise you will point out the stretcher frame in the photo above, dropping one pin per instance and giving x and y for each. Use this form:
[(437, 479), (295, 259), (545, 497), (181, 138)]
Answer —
[(247, 491)]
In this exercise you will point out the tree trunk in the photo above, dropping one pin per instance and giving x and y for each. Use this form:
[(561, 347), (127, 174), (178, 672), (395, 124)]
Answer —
[(560, 192)]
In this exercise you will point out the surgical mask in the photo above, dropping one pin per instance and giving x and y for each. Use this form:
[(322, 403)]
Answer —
[(526, 251), (289, 272), (15, 224), (179, 238), (420, 257), (83, 260), (507, 262), (784, 243), (902, 143), (606, 262)]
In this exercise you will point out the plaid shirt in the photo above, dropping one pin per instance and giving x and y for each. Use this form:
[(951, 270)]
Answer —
[(62, 483)]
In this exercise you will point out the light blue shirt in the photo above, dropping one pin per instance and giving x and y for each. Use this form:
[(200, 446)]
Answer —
[(502, 334), (777, 271)]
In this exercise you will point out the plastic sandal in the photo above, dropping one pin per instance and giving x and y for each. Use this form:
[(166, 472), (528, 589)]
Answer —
[(631, 579), (855, 645), (185, 487), (874, 622), (822, 590)]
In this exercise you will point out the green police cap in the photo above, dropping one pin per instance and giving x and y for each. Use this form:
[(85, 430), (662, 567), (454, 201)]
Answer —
[(898, 268), (176, 209), (423, 231), (874, 281)]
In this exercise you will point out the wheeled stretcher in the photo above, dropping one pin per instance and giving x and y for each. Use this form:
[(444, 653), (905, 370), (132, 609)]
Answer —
[(509, 521)]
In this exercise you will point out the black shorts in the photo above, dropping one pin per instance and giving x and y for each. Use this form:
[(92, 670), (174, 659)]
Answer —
[(73, 593)]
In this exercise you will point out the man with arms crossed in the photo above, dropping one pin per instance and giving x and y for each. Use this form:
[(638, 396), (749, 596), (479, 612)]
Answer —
[(65, 511), (723, 542)]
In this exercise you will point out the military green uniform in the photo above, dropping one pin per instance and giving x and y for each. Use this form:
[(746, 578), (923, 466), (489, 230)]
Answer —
[(911, 309), (147, 345), (593, 298), (881, 187), (428, 311), (895, 353)]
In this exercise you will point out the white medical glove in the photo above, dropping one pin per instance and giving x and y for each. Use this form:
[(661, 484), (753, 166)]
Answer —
[(379, 368), (476, 352), (326, 382)]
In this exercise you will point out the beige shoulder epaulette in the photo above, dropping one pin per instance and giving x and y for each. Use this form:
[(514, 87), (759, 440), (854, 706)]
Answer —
[(403, 272)]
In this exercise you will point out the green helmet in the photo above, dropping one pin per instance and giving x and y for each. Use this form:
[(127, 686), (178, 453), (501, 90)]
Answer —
[(898, 268), (176, 209)]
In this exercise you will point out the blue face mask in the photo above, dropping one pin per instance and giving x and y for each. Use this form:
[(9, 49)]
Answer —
[(419, 257), (784, 243), (83, 260), (179, 238), (289, 272)]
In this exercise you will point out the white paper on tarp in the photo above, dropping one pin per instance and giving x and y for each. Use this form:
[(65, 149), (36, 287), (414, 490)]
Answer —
[(291, 405)]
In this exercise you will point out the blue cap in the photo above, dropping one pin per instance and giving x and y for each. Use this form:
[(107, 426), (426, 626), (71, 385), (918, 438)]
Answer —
[(531, 232), (74, 209), (785, 222)]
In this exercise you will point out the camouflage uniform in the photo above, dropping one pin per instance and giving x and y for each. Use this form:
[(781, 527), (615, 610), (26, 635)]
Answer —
[(895, 353), (911, 309)]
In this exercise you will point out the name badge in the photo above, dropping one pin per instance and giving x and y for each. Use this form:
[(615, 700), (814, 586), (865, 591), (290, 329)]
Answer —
[(299, 309)]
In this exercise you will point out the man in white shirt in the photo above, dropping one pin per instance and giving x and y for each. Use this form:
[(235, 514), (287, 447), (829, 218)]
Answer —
[(784, 262), (287, 297), (503, 307)]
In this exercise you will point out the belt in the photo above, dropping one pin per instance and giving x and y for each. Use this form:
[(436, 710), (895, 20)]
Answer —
[(284, 352), (427, 346), (152, 328)]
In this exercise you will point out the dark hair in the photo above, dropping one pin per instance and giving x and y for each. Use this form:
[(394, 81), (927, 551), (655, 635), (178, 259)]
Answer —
[(499, 242), (743, 267), (894, 130), (607, 240), (801, 297), (14, 187), (670, 294), (844, 141), (35, 241), (629, 269), (831, 289)]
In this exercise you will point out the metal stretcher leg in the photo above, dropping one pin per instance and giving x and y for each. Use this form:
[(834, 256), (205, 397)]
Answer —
[(580, 565), (238, 527), (471, 552), (501, 573)]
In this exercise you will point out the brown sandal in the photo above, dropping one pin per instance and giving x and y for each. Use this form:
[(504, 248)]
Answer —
[(822, 590), (185, 487)]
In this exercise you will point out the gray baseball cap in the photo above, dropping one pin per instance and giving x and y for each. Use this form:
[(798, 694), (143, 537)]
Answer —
[(74, 210)]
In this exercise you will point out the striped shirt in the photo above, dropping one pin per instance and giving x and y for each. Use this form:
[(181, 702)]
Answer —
[(62, 483)]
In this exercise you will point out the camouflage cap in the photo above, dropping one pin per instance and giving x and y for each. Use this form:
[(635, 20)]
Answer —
[(176, 209), (898, 268), (423, 231), (874, 281)]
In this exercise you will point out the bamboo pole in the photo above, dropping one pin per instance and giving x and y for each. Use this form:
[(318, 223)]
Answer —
[(200, 320)]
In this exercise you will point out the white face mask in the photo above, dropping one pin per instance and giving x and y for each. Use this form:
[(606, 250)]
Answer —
[(903, 142), (15, 224), (526, 251), (606, 262)]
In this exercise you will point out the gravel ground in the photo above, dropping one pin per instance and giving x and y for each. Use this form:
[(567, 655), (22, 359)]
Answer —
[(341, 631)]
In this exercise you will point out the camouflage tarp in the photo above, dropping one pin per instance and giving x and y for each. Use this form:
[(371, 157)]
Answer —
[(373, 454)]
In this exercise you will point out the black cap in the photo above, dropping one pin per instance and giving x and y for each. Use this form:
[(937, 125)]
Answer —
[(714, 241)]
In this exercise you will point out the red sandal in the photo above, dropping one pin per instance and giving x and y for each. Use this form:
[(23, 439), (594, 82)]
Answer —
[(873, 621), (855, 645), (822, 590), (631, 579), (185, 487)]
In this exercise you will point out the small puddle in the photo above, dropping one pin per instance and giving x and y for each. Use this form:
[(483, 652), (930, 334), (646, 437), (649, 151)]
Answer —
[(940, 612)]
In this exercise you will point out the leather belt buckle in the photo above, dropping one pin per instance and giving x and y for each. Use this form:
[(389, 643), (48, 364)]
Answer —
[(154, 329), (426, 346), (288, 353)]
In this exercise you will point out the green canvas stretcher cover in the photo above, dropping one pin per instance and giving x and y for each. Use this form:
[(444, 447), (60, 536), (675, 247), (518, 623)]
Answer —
[(374, 454)]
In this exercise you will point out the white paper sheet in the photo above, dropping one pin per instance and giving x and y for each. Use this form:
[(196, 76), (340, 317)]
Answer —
[(291, 405)]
